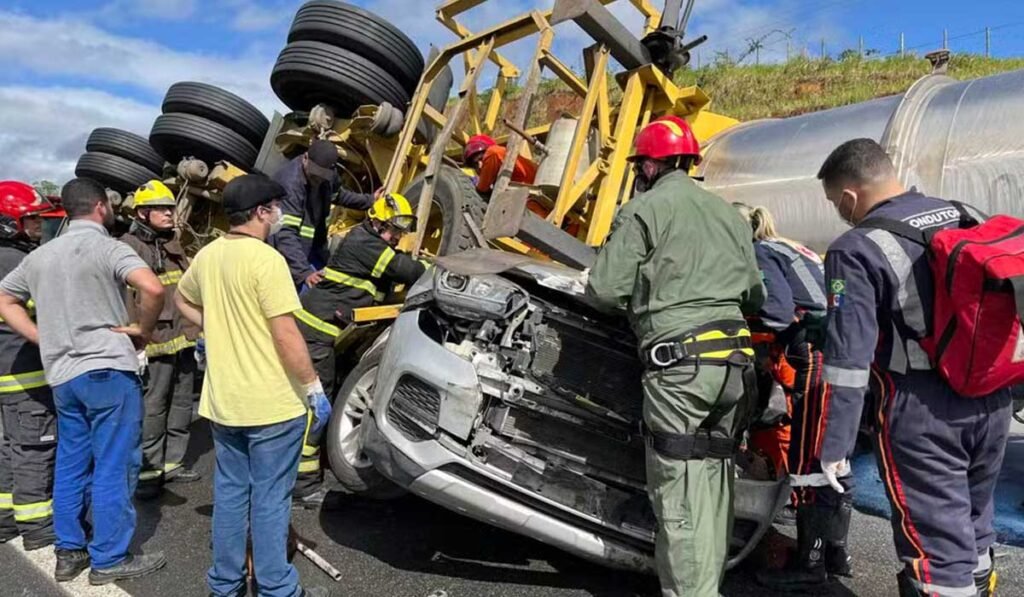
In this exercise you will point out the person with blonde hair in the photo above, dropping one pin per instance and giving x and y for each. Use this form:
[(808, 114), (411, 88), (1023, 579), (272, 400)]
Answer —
[(790, 317)]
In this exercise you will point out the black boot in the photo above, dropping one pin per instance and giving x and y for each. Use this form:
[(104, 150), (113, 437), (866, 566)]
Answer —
[(985, 582), (70, 563), (837, 558), (907, 587), (807, 571), (130, 567)]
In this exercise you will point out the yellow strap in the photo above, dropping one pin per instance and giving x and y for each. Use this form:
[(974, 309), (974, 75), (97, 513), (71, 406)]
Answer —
[(720, 335), (19, 382), (309, 466), (316, 323), (34, 511), (347, 280), (6, 501), (170, 347), (382, 262), (170, 278)]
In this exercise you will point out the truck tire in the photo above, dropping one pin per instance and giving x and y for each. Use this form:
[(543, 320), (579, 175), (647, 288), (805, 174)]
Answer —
[(437, 98), (308, 73), (346, 26), (115, 172), (454, 195), (220, 106), (176, 136), (124, 144), (350, 466)]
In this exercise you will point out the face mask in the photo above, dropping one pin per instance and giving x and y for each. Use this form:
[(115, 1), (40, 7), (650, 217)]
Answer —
[(848, 217), (277, 223)]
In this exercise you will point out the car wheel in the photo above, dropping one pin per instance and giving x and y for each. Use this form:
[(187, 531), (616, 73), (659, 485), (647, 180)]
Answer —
[(176, 136), (114, 172), (220, 106), (446, 228), (124, 144), (308, 73), (349, 27), (350, 465)]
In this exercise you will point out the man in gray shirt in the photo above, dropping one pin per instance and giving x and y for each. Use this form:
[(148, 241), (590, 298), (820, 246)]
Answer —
[(88, 349)]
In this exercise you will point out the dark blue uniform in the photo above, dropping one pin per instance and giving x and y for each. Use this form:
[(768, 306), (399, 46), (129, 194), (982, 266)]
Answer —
[(794, 279), (939, 453), (303, 239)]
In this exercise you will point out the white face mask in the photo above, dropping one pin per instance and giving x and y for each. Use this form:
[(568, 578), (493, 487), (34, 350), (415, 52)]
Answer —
[(278, 221)]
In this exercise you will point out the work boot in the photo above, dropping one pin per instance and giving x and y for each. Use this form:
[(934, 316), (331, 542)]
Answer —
[(985, 582), (182, 475), (149, 490), (807, 570), (907, 587), (837, 558), (130, 567), (314, 592), (70, 563), (34, 543), (312, 501), (7, 534)]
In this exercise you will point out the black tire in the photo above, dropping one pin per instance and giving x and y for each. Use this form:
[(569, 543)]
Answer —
[(353, 469), (115, 172), (368, 35), (124, 144), (176, 136), (454, 195), (220, 106), (437, 98), (308, 73)]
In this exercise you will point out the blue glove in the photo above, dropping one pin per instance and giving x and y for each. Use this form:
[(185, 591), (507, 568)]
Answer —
[(201, 353), (319, 404)]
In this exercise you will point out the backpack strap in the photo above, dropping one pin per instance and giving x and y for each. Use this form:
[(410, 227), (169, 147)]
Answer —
[(898, 228), (967, 219)]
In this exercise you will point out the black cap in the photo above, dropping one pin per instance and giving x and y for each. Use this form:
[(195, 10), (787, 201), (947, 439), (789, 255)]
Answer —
[(322, 157), (249, 191)]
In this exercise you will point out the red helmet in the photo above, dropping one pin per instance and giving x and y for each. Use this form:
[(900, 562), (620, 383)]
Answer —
[(477, 144), (666, 137), (18, 200)]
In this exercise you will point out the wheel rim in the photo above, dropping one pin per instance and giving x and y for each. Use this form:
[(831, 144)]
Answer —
[(356, 407), (434, 230)]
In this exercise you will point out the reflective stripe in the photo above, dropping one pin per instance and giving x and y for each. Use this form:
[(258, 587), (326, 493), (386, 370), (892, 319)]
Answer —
[(316, 323), (19, 382), (34, 511), (6, 501), (309, 451), (170, 466), (170, 347), (933, 589), (899, 262), (150, 475), (307, 232), (291, 221), (382, 262), (347, 280), (309, 466), (846, 378), (898, 359), (803, 273), (812, 480), (918, 357), (170, 278)]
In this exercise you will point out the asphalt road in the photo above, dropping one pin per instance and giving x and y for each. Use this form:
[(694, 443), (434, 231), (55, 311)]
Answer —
[(411, 548)]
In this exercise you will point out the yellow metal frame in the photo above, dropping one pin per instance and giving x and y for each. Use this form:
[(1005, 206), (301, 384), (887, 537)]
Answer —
[(591, 198)]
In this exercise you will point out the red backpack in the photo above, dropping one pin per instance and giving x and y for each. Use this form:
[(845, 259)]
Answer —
[(977, 342)]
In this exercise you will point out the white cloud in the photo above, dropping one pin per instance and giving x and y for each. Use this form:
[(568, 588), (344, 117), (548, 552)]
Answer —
[(170, 10), (251, 17), (43, 129)]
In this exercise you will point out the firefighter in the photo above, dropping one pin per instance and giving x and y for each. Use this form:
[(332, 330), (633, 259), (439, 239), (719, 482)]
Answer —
[(169, 382), (28, 425), (311, 184), (484, 156), (680, 260), (361, 271), (939, 453), (792, 315)]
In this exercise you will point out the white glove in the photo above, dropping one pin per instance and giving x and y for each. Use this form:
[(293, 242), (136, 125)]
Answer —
[(833, 471), (143, 362)]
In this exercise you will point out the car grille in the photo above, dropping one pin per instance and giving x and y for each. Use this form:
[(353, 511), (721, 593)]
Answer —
[(414, 408)]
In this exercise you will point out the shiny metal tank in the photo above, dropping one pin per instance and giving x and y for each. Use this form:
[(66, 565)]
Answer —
[(953, 139)]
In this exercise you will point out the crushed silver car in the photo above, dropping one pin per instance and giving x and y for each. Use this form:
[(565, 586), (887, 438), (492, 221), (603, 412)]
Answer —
[(500, 394)]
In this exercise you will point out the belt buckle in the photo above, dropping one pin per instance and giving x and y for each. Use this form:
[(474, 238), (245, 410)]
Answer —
[(657, 362)]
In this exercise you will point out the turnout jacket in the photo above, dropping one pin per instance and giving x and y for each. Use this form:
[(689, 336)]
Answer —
[(880, 304), (303, 239), (20, 365), (678, 258), (794, 279), (167, 259), (361, 271)]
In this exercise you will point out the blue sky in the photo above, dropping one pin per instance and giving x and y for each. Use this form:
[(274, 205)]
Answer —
[(71, 66)]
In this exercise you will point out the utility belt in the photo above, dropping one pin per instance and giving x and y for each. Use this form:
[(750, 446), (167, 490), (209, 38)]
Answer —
[(712, 344)]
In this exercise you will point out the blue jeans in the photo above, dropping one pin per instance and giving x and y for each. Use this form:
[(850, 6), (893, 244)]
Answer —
[(252, 486), (99, 422)]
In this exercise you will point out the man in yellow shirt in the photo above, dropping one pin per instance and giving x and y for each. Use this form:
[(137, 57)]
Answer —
[(259, 389)]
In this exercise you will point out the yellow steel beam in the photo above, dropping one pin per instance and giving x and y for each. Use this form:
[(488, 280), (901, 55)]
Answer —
[(653, 15), (453, 8), (566, 197), (494, 105), (447, 19), (611, 186), (564, 73), (377, 313), (706, 124)]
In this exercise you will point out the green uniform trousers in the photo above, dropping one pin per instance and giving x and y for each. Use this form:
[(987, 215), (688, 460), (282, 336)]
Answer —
[(168, 395), (692, 499)]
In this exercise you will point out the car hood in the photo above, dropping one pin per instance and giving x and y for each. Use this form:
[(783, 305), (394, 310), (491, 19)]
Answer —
[(551, 275)]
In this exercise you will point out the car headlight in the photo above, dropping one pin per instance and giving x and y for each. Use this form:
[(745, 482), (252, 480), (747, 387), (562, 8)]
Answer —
[(478, 297)]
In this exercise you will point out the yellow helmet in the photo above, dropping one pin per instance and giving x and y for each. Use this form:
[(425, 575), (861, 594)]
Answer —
[(154, 194), (395, 210)]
